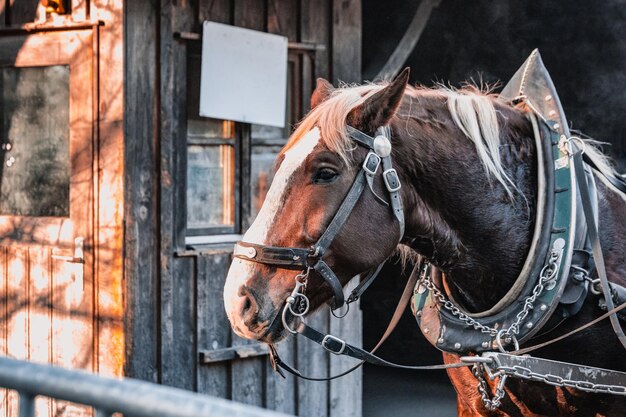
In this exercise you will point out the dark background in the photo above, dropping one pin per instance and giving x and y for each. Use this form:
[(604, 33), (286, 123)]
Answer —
[(583, 45)]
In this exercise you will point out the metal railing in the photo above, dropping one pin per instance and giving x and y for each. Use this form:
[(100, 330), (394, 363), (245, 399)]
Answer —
[(130, 397)]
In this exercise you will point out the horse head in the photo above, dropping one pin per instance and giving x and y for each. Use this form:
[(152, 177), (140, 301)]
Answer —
[(314, 172)]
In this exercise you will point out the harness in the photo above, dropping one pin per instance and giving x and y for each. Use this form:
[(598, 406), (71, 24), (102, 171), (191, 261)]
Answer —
[(552, 286)]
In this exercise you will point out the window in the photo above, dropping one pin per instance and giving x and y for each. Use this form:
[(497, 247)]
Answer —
[(35, 140), (230, 165)]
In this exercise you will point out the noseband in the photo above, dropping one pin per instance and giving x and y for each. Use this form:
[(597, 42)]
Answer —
[(313, 257)]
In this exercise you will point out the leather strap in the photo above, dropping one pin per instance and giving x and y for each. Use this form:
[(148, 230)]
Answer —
[(392, 182), (285, 257), (360, 137), (618, 181), (358, 291), (595, 243), (342, 214), (329, 276)]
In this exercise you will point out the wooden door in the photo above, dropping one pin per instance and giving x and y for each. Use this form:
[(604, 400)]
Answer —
[(47, 129)]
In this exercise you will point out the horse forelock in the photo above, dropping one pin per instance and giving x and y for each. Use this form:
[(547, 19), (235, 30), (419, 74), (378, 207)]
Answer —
[(330, 117)]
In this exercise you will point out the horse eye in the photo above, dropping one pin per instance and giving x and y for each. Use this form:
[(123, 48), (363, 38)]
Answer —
[(325, 176)]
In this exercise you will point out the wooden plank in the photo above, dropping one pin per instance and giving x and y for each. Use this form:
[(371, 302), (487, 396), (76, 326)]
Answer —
[(281, 392), (282, 18), (346, 32), (109, 179), (4, 282), (312, 360), (40, 315), (213, 327), (226, 354), (215, 11), (177, 298), (250, 14), (346, 393), (315, 28), (17, 312), (141, 190), (72, 325), (178, 365)]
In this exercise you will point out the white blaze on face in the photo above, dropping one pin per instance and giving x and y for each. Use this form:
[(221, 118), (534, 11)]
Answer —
[(240, 271)]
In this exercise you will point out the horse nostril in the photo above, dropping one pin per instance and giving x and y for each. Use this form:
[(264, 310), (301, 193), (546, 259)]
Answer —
[(249, 306)]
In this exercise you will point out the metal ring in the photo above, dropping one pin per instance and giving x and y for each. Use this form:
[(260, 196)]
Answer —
[(341, 315), (596, 287), (499, 340), (583, 144), (284, 319), (295, 298)]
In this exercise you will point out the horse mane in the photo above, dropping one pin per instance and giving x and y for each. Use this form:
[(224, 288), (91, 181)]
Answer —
[(472, 109)]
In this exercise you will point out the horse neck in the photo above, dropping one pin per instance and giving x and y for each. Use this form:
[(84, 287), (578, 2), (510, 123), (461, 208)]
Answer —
[(458, 217)]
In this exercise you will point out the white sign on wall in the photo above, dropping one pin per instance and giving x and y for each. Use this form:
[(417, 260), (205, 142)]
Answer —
[(243, 75)]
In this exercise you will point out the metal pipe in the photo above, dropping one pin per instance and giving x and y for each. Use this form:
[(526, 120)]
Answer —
[(127, 396)]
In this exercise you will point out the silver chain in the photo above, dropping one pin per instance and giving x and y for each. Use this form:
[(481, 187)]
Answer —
[(548, 273), (491, 403), (522, 372)]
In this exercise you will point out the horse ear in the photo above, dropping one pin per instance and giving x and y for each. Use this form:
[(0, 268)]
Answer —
[(323, 90), (378, 109)]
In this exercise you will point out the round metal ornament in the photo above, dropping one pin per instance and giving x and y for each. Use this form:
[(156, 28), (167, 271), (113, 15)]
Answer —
[(382, 146)]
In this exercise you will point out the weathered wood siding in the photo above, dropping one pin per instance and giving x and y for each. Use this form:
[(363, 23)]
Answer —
[(174, 295)]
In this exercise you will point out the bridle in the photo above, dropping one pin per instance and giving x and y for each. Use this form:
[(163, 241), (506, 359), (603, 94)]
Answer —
[(305, 260), (312, 258)]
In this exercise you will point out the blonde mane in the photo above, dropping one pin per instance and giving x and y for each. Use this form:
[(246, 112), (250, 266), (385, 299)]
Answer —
[(472, 111)]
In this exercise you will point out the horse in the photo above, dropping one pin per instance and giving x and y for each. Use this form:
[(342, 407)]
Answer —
[(466, 161)]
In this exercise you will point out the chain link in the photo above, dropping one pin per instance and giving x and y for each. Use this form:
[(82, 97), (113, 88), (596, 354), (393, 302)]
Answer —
[(491, 403), (548, 273)]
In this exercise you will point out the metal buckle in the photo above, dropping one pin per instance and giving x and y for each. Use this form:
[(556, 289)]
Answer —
[(390, 176), (336, 339), (367, 161)]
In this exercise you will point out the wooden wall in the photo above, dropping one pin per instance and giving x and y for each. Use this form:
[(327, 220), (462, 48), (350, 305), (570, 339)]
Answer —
[(173, 305)]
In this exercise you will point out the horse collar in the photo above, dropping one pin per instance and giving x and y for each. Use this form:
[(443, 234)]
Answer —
[(312, 258), (552, 282)]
